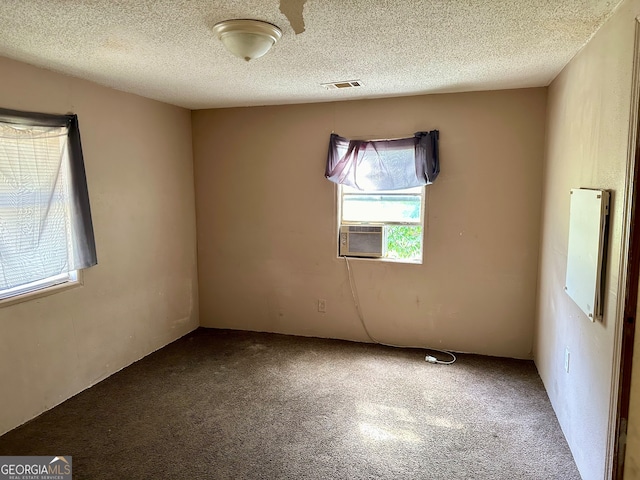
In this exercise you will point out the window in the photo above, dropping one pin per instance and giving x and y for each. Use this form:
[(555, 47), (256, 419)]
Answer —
[(382, 193), (46, 234), (400, 213)]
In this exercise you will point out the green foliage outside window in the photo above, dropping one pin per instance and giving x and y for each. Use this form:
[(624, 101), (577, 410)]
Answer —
[(404, 241)]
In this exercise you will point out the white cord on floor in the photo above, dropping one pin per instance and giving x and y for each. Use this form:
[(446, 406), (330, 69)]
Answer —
[(354, 294)]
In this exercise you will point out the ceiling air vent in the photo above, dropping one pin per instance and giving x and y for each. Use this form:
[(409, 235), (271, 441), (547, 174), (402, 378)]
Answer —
[(341, 85)]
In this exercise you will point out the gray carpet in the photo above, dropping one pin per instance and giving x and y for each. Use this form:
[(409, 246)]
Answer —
[(220, 404)]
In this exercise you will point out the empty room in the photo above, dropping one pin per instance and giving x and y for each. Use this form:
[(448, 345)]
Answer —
[(319, 239)]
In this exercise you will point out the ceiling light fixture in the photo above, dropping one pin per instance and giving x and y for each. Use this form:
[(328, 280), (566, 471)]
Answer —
[(247, 39)]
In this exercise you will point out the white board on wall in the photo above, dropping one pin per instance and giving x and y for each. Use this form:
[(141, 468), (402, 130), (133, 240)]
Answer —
[(588, 218)]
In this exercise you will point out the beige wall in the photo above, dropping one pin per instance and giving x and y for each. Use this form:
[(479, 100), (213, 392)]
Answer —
[(267, 223), (143, 293), (587, 135)]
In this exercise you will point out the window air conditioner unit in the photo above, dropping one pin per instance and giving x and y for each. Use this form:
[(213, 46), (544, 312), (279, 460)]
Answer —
[(361, 241)]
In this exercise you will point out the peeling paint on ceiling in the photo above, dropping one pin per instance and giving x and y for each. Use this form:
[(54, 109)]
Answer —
[(293, 10)]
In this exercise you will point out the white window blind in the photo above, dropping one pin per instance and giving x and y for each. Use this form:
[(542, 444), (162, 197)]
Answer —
[(36, 237)]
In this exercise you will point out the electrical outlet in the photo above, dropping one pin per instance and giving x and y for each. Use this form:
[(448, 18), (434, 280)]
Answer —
[(567, 356), (322, 306)]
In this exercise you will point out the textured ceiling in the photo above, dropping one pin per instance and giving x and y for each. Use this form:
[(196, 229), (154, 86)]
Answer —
[(164, 49)]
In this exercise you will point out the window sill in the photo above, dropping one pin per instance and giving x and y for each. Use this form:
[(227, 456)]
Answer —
[(383, 259), (43, 292)]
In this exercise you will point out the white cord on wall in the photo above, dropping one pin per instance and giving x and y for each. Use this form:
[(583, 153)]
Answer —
[(356, 301)]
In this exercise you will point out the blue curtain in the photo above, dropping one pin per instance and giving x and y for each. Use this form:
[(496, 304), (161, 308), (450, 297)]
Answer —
[(384, 164)]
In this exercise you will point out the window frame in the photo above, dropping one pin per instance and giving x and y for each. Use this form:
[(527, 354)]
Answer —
[(421, 223), (46, 287), (74, 276)]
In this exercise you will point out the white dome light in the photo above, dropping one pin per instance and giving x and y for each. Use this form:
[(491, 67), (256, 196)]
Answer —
[(247, 39)]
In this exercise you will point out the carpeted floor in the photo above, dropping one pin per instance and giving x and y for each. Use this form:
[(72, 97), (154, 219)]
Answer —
[(221, 404)]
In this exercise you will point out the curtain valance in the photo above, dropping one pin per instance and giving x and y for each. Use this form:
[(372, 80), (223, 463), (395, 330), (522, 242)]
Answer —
[(384, 164)]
